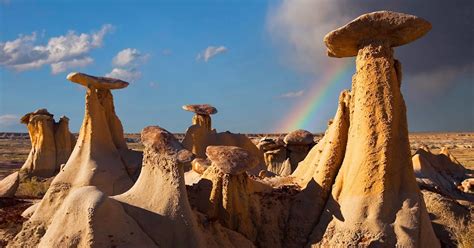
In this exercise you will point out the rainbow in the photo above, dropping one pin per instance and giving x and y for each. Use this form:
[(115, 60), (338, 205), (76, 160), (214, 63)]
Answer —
[(304, 114)]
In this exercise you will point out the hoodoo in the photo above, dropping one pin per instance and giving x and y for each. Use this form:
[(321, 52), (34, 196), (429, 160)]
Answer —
[(375, 198), (95, 161), (51, 143), (298, 143), (200, 135)]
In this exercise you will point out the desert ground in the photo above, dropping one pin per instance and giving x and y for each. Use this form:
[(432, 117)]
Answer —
[(364, 182), (14, 147)]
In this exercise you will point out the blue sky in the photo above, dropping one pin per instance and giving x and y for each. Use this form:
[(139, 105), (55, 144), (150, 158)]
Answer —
[(253, 60)]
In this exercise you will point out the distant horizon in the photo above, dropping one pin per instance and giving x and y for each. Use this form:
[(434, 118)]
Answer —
[(262, 64)]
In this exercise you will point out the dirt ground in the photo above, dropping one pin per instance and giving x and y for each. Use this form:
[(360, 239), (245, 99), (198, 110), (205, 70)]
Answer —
[(14, 149)]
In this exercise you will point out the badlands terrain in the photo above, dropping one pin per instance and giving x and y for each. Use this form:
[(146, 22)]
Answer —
[(364, 182), (14, 147)]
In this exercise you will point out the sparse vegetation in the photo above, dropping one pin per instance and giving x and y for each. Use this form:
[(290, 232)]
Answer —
[(33, 187)]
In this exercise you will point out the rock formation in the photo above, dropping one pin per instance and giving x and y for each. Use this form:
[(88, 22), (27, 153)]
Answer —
[(375, 199), (95, 161), (51, 143), (441, 172), (275, 155), (298, 143), (202, 115), (200, 135), (9, 185)]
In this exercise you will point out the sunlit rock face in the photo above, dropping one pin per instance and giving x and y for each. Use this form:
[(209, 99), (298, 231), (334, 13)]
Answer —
[(51, 143)]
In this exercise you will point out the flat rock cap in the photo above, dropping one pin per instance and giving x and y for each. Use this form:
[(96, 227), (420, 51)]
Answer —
[(202, 109), (26, 118), (395, 28), (164, 142), (299, 137), (231, 159), (96, 82)]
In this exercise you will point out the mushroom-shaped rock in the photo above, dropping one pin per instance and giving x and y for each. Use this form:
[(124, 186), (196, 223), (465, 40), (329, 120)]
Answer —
[(95, 161), (394, 28), (231, 159), (375, 200), (200, 165), (201, 109), (298, 144), (299, 137), (202, 115), (96, 82), (9, 185)]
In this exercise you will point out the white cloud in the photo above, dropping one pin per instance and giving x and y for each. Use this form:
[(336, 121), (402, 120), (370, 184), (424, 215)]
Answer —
[(125, 74), (129, 57), (166, 52), (300, 26), (24, 54), (127, 63), (292, 94), (64, 65), (210, 52)]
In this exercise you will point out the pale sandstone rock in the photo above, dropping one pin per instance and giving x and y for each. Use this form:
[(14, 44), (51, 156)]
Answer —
[(95, 161), (96, 82), (375, 199), (64, 139), (198, 138), (439, 172), (299, 137), (52, 143), (9, 185), (41, 160), (200, 165), (202, 115), (394, 28), (316, 175), (231, 159), (29, 211)]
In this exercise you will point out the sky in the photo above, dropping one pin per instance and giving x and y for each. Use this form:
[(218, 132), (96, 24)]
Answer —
[(262, 64)]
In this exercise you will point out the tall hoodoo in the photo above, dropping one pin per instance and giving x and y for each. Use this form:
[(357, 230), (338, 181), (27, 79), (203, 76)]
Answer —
[(230, 196), (376, 200), (298, 144), (95, 161), (202, 115)]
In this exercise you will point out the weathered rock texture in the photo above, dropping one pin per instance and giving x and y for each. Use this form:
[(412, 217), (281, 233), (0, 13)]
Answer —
[(198, 137), (95, 161), (440, 173), (51, 143), (298, 143), (202, 115), (9, 185), (375, 199)]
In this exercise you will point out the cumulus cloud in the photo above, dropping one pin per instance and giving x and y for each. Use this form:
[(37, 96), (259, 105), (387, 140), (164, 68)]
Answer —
[(61, 52), (292, 94), (129, 57), (127, 64), (74, 63), (210, 52), (124, 74)]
